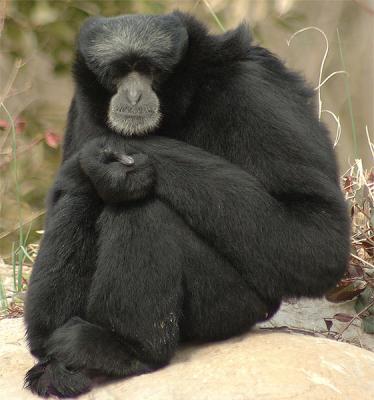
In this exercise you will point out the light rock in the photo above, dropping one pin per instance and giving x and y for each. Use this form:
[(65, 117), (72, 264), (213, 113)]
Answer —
[(259, 365), (310, 314)]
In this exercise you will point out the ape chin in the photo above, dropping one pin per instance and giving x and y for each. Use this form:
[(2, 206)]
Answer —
[(198, 189)]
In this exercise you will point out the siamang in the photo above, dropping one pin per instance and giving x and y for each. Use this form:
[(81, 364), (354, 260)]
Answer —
[(197, 190)]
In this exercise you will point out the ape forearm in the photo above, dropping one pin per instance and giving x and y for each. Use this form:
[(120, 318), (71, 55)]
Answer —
[(285, 238), (66, 259)]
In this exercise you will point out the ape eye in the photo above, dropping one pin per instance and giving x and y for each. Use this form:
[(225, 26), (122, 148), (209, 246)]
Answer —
[(119, 70), (155, 75), (143, 68), (155, 72)]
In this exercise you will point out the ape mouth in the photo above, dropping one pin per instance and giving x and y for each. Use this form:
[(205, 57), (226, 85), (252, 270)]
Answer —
[(130, 122), (133, 119), (131, 113)]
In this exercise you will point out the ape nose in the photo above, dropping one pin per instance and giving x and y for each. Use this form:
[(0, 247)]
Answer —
[(133, 96)]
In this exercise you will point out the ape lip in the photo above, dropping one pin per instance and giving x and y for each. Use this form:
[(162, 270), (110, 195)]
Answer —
[(134, 115)]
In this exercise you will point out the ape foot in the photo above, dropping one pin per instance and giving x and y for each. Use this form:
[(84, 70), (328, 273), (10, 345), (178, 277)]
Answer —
[(54, 379), (36, 380)]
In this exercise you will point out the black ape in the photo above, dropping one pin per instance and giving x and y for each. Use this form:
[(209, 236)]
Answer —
[(181, 244), (151, 267)]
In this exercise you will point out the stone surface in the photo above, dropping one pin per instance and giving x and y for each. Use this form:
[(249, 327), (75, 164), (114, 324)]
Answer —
[(259, 365), (310, 314)]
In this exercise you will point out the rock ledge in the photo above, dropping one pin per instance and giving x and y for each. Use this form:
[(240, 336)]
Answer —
[(271, 366)]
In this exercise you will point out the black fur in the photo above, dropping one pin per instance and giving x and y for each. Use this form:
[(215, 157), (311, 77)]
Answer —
[(203, 236)]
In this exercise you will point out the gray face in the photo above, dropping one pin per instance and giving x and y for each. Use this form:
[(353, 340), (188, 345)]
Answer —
[(135, 108)]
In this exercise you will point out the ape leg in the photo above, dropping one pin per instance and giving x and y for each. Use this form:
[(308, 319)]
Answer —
[(277, 232), (219, 306), (78, 351), (134, 300), (65, 264), (218, 303)]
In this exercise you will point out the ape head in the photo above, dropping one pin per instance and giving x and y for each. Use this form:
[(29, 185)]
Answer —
[(140, 73), (130, 55)]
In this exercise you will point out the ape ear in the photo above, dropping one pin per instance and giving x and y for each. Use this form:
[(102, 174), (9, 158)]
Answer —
[(87, 35), (87, 32)]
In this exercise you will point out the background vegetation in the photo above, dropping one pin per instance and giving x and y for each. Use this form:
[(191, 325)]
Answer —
[(36, 51)]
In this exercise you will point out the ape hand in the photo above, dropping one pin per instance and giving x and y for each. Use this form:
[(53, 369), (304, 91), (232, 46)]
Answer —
[(119, 174)]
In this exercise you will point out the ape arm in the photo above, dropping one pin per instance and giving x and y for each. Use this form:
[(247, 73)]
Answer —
[(282, 237), (286, 239), (66, 260)]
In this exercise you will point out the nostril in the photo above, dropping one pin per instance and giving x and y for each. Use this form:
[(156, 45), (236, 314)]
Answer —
[(134, 96)]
